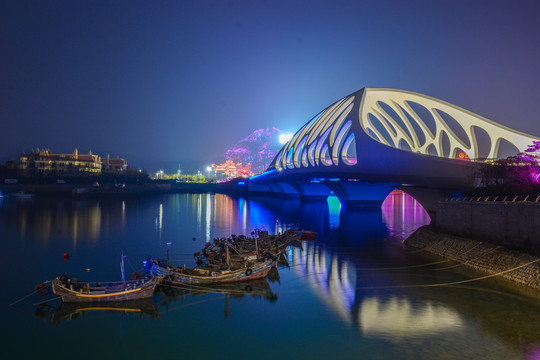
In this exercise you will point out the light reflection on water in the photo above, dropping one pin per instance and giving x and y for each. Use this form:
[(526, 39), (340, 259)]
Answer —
[(402, 214), (357, 278), (338, 283)]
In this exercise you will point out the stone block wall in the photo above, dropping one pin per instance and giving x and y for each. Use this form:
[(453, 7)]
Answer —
[(514, 225), (487, 258)]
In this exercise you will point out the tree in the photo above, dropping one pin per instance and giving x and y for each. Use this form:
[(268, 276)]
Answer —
[(524, 168)]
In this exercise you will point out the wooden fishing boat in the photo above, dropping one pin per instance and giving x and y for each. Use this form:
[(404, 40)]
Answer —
[(300, 235), (233, 259), (209, 275), (75, 291)]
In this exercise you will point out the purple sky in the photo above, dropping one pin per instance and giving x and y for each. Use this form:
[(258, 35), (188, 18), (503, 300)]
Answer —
[(168, 80)]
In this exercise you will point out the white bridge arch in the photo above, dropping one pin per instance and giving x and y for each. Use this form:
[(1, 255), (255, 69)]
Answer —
[(399, 119), (374, 140)]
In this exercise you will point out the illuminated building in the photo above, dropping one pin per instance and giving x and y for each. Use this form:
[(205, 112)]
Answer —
[(117, 164), (42, 162), (231, 170)]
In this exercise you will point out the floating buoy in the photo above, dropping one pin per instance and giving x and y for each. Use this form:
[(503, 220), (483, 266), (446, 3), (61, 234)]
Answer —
[(66, 256), (194, 239)]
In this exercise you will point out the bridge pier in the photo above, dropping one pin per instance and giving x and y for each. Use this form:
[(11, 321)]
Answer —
[(360, 193), (259, 188), (284, 189), (311, 191)]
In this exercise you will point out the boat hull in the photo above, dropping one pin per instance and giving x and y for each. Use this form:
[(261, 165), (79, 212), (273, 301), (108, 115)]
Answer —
[(121, 292), (257, 271)]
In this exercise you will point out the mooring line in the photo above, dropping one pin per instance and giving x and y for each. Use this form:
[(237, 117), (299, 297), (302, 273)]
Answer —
[(24, 297), (487, 276), (46, 301), (195, 303), (212, 290)]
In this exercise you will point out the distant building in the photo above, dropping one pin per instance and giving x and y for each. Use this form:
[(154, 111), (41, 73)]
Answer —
[(42, 162), (117, 164), (231, 170)]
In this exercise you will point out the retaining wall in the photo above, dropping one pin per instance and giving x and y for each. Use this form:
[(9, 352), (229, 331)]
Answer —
[(515, 225), (485, 257)]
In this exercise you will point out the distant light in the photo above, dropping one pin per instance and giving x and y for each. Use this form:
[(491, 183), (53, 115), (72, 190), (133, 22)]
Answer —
[(209, 168), (283, 138), (241, 183)]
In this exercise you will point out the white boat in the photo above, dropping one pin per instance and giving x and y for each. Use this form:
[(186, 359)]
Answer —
[(22, 195)]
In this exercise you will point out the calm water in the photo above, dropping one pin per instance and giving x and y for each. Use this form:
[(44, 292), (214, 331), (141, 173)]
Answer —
[(356, 292)]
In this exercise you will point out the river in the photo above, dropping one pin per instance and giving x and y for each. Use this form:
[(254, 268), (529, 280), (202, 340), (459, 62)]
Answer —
[(355, 292)]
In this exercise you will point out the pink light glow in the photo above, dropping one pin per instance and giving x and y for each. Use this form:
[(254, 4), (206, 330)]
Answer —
[(403, 214), (534, 354)]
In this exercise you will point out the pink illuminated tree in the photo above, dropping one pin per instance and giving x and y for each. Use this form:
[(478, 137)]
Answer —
[(524, 168)]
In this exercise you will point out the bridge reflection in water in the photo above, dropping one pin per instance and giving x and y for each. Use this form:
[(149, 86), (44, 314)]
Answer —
[(402, 214), (355, 291), (339, 284)]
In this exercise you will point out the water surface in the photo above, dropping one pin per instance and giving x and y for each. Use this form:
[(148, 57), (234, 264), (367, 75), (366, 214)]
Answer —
[(355, 292)]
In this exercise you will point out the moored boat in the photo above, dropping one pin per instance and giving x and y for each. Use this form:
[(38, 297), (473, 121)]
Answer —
[(226, 260), (209, 275), (76, 291), (300, 234), (73, 290)]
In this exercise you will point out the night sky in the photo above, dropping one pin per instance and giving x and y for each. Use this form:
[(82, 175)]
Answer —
[(157, 81)]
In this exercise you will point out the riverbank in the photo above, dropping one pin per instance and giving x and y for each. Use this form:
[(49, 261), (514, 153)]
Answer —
[(492, 260), (235, 187), (84, 190)]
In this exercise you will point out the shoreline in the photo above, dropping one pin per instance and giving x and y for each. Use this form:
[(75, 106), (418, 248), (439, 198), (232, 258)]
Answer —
[(493, 261)]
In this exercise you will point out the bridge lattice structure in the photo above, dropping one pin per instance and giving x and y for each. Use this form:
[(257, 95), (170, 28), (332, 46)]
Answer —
[(372, 140), (398, 119)]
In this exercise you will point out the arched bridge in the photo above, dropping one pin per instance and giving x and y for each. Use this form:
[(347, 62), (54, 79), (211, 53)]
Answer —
[(374, 139)]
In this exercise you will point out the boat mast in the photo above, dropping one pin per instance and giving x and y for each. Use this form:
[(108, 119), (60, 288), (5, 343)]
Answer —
[(227, 259), (122, 267)]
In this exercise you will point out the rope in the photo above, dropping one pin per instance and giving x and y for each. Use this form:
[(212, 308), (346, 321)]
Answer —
[(32, 293), (485, 277), (443, 284), (46, 301), (403, 267), (129, 263), (24, 297), (213, 290), (195, 303)]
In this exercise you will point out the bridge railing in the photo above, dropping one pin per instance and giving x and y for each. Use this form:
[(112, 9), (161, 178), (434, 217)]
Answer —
[(499, 198)]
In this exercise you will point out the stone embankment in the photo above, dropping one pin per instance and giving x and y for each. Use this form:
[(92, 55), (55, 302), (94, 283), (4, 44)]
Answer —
[(514, 225), (494, 260)]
